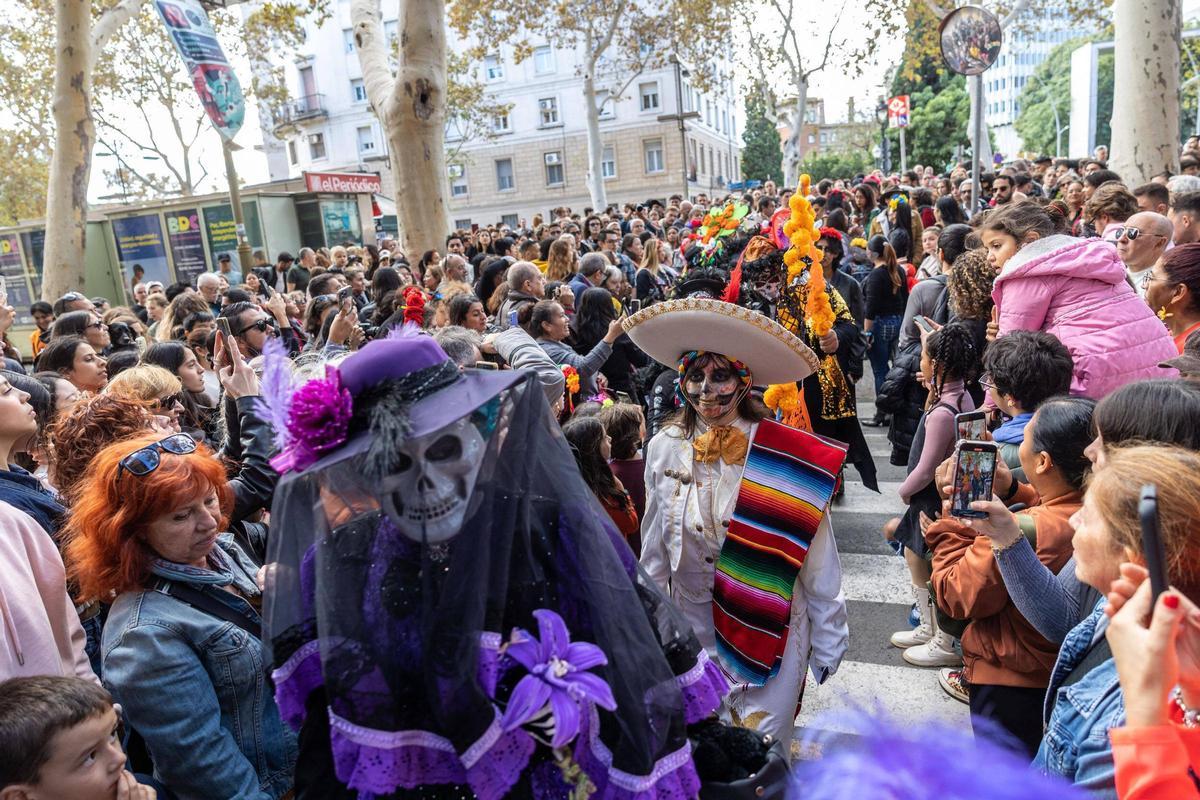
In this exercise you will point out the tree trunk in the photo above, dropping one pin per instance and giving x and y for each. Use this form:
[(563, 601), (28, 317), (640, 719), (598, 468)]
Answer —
[(793, 151), (1145, 130), (71, 162), (595, 152), (412, 110)]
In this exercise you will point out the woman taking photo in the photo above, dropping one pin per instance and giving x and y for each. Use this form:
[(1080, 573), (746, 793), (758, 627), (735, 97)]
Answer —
[(77, 361), (181, 649), (546, 322), (592, 322)]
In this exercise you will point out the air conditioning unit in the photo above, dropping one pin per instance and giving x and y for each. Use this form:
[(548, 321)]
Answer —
[(455, 170), (553, 159)]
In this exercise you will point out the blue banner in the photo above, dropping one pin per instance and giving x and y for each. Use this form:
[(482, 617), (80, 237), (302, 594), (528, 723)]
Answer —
[(141, 249), (218, 87)]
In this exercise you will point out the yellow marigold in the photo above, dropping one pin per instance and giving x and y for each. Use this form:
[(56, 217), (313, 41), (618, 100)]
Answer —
[(782, 397)]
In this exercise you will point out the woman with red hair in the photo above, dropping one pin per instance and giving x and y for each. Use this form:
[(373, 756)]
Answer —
[(181, 649)]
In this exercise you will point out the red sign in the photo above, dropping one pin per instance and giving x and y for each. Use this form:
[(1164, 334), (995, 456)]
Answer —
[(898, 111), (343, 182)]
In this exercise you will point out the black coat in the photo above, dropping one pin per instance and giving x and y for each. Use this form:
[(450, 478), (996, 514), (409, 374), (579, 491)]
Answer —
[(903, 396)]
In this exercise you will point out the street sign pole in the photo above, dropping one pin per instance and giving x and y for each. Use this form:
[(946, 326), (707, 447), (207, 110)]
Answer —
[(976, 139), (903, 154)]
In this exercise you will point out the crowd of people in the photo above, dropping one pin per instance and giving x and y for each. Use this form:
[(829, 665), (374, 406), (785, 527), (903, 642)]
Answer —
[(483, 520)]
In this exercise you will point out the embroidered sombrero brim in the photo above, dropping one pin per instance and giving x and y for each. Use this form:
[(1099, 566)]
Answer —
[(665, 331)]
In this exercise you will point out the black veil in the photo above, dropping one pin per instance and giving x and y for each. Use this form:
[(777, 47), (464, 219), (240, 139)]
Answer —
[(407, 638)]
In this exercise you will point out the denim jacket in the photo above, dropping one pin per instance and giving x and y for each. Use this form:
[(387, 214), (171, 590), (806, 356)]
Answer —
[(1076, 744), (195, 686)]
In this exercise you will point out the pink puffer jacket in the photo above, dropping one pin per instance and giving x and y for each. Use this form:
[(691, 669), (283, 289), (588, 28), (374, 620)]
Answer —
[(1076, 289)]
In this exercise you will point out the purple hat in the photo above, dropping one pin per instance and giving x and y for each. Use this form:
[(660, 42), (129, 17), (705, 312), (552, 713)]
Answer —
[(391, 359)]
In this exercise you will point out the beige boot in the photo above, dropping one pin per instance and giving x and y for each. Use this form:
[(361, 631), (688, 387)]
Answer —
[(923, 632), (937, 652)]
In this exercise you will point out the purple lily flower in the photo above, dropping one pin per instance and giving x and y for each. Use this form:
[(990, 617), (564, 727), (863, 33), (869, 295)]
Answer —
[(557, 676)]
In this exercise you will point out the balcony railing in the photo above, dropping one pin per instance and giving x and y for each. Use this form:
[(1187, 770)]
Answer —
[(310, 106)]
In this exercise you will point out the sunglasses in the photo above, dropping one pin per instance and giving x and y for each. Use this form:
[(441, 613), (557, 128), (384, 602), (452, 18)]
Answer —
[(141, 463), (97, 325), (1132, 233), (262, 326), (167, 403)]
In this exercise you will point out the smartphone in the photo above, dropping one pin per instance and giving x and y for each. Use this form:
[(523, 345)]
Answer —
[(231, 348), (474, 227), (512, 319), (485, 365), (1152, 544), (971, 425), (634, 306), (345, 295), (622, 397), (924, 324), (974, 469)]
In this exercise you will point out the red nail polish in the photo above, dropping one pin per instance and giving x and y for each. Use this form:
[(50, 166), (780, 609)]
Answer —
[(1171, 601)]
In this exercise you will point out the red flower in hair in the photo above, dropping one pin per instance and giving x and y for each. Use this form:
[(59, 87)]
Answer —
[(414, 305)]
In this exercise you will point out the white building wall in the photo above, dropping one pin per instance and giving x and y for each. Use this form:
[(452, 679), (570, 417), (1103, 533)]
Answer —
[(628, 127), (1020, 56)]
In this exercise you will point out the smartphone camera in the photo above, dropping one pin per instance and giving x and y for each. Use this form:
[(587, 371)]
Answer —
[(974, 470)]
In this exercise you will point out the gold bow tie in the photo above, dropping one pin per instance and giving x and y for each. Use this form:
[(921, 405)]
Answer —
[(722, 441)]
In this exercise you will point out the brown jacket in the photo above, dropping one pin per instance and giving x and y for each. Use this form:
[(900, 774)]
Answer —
[(999, 646)]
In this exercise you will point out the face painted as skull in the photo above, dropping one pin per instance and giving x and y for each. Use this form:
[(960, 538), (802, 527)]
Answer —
[(428, 495), (712, 387)]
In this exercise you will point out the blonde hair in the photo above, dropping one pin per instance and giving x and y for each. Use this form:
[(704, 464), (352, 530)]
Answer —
[(561, 261), (145, 383), (1115, 492)]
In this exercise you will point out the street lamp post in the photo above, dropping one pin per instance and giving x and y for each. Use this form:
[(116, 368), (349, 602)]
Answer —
[(885, 155), (235, 202), (680, 117)]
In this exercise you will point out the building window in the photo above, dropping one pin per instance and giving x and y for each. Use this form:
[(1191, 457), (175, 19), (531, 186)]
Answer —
[(606, 104), (316, 146), (703, 162), (493, 68), (608, 162), (500, 122), (554, 168), (652, 151), (504, 175), (366, 140), (687, 96), (543, 60), (824, 137), (462, 224), (292, 156), (458, 180), (359, 90), (812, 139), (348, 39), (548, 110), (511, 220), (649, 95)]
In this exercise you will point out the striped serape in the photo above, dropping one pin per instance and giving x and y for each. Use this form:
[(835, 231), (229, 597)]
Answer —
[(789, 479)]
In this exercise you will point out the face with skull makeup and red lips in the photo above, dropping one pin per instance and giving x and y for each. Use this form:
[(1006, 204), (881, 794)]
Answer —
[(711, 385)]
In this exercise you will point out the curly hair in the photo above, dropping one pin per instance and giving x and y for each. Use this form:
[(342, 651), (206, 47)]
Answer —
[(970, 285), (105, 552), (1113, 200), (90, 425)]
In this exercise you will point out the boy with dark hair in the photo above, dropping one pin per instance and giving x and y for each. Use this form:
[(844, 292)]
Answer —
[(1023, 369), (58, 741)]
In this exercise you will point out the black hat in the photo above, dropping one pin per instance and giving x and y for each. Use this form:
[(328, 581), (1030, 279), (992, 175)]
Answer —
[(224, 257), (1043, 160), (285, 256)]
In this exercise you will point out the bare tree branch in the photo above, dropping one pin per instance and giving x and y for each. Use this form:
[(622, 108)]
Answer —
[(110, 22)]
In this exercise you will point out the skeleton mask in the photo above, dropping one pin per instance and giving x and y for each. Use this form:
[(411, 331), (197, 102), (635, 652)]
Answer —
[(428, 495), (712, 387)]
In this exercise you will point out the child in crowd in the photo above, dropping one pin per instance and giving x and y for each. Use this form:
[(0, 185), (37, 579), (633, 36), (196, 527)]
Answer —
[(948, 358), (59, 741), (592, 447), (1021, 370)]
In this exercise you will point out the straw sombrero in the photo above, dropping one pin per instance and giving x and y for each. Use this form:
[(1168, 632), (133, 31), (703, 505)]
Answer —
[(665, 331)]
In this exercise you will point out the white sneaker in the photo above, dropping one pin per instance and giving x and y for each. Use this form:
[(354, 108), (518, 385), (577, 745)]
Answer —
[(911, 638), (952, 683), (937, 652)]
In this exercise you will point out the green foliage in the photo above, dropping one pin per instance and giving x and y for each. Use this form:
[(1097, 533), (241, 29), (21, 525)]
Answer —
[(762, 157), (836, 165), (1050, 86), (921, 65), (937, 126)]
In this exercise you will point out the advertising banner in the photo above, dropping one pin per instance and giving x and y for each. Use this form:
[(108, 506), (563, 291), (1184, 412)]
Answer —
[(343, 182), (220, 91), (34, 245), (222, 232), (140, 247), (187, 244), (12, 267)]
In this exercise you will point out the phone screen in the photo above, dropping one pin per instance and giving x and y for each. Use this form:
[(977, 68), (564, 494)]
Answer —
[(974, 470), (971, 425), (923, 323)]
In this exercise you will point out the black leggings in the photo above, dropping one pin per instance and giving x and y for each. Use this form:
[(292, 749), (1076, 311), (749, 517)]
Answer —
[(1016, 709)]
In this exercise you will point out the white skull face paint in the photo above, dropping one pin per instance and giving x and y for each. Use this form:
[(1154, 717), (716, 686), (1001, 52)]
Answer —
[(712, 388), (428, 495)]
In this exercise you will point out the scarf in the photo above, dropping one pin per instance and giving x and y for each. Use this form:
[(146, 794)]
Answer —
[(723, 442), (789, 479)]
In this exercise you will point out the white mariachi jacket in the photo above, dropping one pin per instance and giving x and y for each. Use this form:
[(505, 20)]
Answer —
[(688, 509)]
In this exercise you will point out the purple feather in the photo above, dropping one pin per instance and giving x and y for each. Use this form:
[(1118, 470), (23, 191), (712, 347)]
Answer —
[(931, 760), (275, 398)]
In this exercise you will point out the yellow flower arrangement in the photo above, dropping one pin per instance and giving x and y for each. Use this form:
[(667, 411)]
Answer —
[(801, 232), (858, 241), (782, 397)]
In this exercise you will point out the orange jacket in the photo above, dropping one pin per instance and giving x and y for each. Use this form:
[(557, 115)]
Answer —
[(999, 647), (1152, 763)]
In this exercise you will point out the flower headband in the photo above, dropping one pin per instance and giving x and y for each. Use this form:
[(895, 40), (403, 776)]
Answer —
[(685, 363), (897, 200)]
